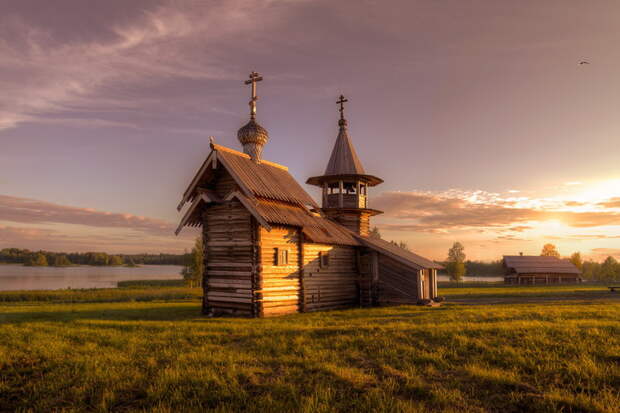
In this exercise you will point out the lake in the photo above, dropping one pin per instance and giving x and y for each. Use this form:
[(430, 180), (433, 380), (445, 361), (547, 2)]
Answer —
[(18, 277)]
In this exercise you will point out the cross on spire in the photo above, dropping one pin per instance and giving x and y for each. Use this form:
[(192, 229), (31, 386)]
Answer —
[(254, 77), (341, 101)]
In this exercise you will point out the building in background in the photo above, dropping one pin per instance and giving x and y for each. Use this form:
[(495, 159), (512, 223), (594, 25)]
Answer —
[(532, 269)]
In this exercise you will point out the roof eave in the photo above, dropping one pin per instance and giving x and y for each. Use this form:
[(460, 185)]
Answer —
[(371, 180)]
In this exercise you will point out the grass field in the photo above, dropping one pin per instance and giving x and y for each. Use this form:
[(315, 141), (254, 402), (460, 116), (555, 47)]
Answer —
[(164, 356), (96, 295)]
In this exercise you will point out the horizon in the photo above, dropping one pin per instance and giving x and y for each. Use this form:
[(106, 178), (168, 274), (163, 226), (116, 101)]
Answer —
[(481, 119)]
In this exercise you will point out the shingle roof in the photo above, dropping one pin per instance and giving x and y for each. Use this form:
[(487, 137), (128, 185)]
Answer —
[(400, 254), (265, 179), (319, 229), (344, 160), (532, 264)]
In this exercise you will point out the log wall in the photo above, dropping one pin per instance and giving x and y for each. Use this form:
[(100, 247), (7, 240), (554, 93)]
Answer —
[(334, 286), (229, 235), (357, 221), (224, 183), (279, 286), (398, 284)]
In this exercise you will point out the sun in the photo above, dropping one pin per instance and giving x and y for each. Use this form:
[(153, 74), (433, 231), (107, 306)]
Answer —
[(600, 191)]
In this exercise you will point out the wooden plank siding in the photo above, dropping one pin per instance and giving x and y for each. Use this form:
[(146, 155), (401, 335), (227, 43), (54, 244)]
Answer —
[(230, 259), (332, 286), (279, 285), (224, 183), (398, 284)]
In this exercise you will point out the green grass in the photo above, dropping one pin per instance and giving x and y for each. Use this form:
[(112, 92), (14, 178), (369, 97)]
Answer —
[(166, 357), (151, 283), (505, 291), (96, 295)]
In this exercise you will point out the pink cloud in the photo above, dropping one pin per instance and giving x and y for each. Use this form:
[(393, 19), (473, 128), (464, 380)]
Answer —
[(31, 211), (119, 242), (428, 212)]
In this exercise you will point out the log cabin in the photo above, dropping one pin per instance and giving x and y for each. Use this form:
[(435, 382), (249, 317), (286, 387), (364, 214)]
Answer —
[(270, 249), (532, 269)]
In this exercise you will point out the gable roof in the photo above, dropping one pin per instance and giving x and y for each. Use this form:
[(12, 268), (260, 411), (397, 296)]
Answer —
[(532, 264), (262, 179), (314, 226), (399, 254)]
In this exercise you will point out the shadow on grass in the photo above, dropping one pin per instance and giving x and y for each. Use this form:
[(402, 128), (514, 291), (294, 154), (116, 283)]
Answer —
[(167, 312)]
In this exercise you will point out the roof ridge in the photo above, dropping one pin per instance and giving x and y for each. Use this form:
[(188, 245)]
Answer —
[(217, 147)]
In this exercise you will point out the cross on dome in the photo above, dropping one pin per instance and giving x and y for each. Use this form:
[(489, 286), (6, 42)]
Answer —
[(254, 77)]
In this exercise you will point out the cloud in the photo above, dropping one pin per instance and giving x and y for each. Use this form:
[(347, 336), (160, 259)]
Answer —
[(66, 240), (510, 238), (602, 253), (520, 228), (16, 234), (43, 72), (610, 203), (440, 212), (31, 211)]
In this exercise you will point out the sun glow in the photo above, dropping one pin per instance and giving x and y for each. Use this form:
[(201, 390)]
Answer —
[(599, 192)]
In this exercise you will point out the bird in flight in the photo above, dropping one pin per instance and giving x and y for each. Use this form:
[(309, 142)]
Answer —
[(583, 62)]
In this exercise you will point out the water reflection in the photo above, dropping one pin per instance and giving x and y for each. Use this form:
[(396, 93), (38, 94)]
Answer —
[(18, 277)]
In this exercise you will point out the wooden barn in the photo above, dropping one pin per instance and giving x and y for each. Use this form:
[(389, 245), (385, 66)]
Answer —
[(524, 269), (270, 249)]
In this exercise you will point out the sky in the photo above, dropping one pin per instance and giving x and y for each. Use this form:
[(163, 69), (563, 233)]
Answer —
[(478, 115)]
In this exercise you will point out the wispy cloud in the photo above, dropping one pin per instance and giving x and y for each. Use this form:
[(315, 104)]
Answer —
[(32, 211), (42, 74), (440, 212), (31, 223)]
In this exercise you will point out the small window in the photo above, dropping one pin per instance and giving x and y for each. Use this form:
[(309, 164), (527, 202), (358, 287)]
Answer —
[(324, 259), (281, 256)]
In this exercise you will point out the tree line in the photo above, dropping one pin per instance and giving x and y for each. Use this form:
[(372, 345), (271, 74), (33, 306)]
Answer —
[(457, 267), (63, 259)]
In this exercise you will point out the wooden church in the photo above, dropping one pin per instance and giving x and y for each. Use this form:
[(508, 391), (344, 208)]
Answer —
[(270, 249)]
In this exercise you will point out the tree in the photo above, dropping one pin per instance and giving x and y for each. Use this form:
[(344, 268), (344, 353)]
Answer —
[(455, 267), (194, 267), (456, 270), (61, 260), (374, 233), (456, 253), (115, 260), (549, 250), (609, 269), (38, 260), (576, 260), (401, 244)]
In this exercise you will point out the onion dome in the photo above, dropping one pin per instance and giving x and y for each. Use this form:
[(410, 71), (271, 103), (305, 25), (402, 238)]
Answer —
[(253, 137)]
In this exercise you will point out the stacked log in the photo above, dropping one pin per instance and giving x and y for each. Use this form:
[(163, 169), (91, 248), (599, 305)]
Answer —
[(332, 286), (279, 284), (398, 284), (230, 259)]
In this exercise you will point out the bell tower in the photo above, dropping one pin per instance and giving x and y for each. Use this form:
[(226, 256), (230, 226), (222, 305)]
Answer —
[(345, 183)]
